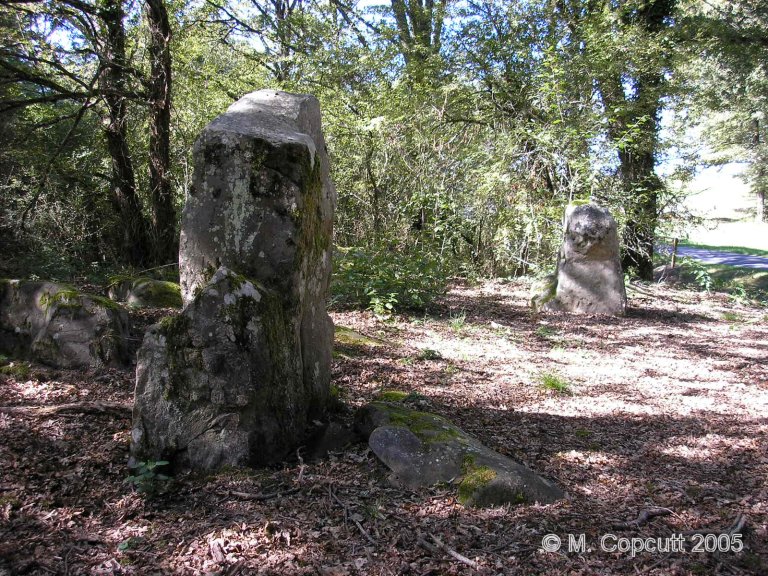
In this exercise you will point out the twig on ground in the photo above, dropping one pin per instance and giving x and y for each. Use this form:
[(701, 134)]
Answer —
[(347, 516), (342, 504), (445, 548), (235, 569), (261, 496), (302, 466), (735, 528), (642, 518), (116, 408), (364, 532), (427, 546)]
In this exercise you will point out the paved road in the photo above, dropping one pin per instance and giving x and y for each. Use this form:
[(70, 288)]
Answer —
[(716, 257)]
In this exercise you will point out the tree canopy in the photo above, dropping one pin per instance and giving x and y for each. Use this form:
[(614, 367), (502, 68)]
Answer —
[(458, 130)]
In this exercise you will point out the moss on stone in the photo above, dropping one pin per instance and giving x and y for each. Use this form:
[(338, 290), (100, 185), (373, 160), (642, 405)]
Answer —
[(103, 302), (17, 370), (392, 395), (116, 279), (350, 337), (429, 428), (69, 297), (175, 329), (475, 477), (315, 234), (159, 293)]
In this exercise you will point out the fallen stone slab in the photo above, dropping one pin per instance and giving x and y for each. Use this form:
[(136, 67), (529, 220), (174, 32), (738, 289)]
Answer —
[(59, 326), (423, 449), (143, 292)]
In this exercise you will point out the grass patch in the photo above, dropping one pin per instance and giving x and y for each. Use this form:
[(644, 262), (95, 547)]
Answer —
[(744, 284), (546, 331), (734, 249), (730, 278), (555, 383), (429, 354), (458, 321)]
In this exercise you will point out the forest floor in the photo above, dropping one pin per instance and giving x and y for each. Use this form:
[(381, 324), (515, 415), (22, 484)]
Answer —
[(664, 409)]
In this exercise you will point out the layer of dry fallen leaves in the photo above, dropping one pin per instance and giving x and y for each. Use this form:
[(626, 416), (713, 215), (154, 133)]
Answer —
[(663, 409)]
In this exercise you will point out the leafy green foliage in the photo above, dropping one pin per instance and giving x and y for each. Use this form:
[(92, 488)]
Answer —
[(699, 272), (456, 139), (429, 354), (554, 382), (146, 477), (385, 281)]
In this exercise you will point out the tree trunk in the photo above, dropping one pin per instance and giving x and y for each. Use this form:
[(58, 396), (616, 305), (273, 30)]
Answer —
[(163, 213), (642, 186), (420, 27), (134, 242), (634, 101)]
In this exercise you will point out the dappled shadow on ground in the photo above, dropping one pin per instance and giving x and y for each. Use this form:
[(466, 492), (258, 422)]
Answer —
[(664, 408)]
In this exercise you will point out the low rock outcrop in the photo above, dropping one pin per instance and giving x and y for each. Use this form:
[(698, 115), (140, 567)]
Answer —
[(423, 449), (589, 275), (143, 292), (59, 326)]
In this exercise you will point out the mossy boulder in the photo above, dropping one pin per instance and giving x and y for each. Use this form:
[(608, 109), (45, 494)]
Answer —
[(57, 325), (423, 449), (143, 292)]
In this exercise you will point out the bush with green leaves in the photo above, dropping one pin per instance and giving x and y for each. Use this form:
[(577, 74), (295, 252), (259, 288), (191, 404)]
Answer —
[(386, 281), (147, 478)]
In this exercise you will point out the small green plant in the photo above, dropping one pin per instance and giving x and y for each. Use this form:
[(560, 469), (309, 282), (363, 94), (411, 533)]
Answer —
[(701, 276), (146, 478), (15, 369), (382, 305), (373, 511), (429, 354), (545, 331), (732, 317), (739, 295), (451, 369), (553, 382), (130, 543), (458, 321), (582, 432)]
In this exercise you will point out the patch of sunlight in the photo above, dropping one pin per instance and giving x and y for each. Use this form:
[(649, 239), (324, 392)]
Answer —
[(33, 388), (566, 406), (590, 457), (706, 447)]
